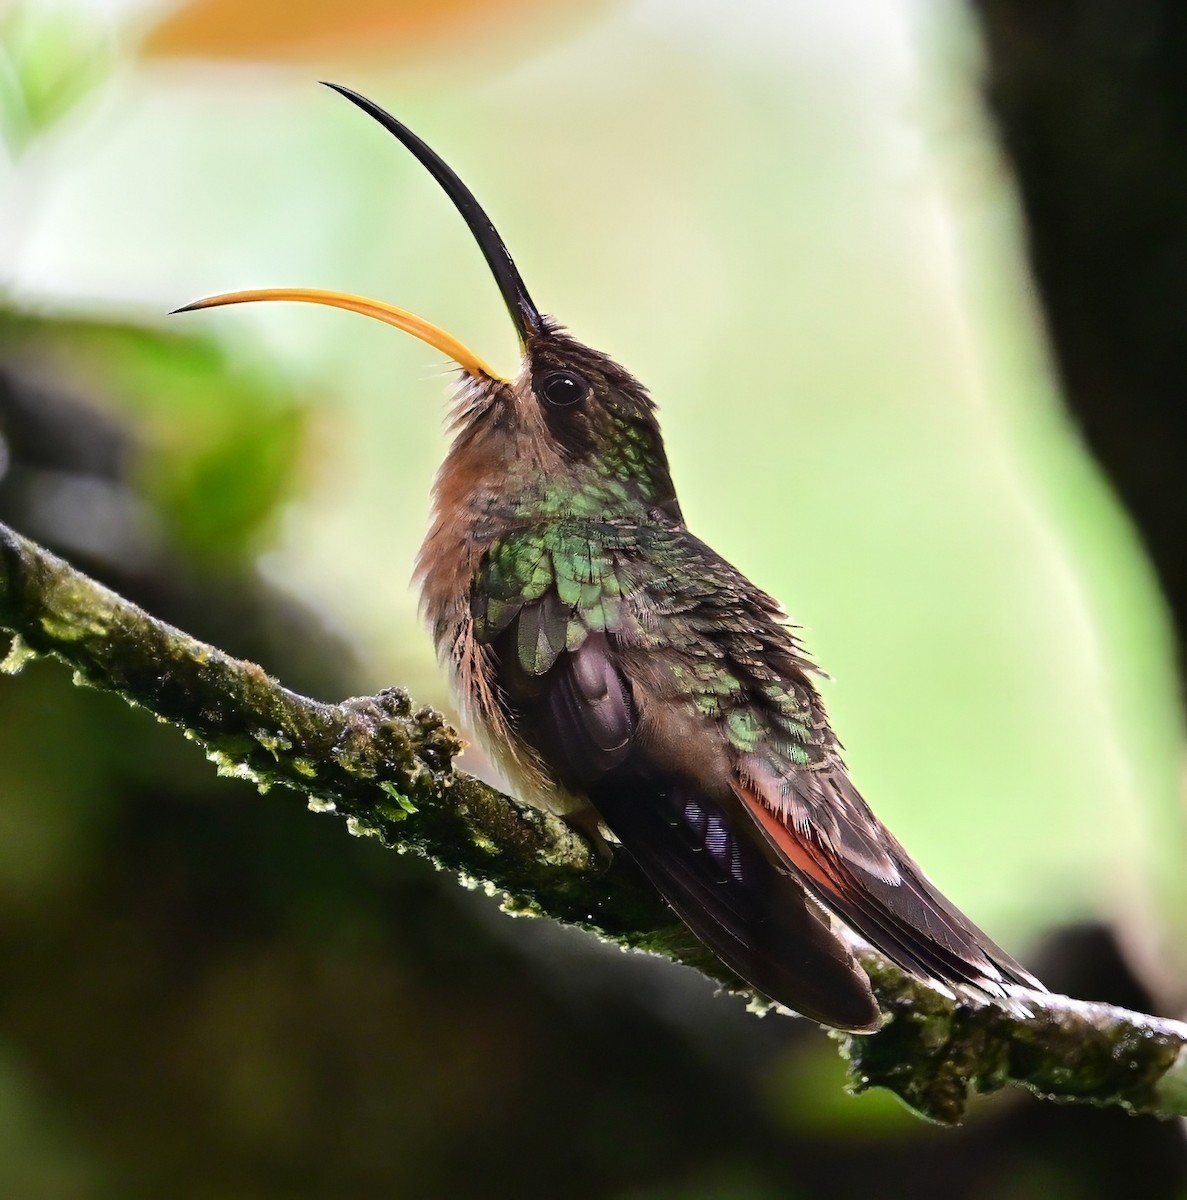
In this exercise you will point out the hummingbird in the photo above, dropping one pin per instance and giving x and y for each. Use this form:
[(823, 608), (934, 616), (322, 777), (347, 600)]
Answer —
[(623, 673)]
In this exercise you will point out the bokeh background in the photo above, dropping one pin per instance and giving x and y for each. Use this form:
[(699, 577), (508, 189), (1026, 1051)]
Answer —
[(890, 268)]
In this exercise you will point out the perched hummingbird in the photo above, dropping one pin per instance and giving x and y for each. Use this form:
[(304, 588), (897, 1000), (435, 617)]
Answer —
[(621, 671)]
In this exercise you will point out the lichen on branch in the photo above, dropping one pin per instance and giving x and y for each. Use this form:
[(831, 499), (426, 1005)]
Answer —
[(387, 767)]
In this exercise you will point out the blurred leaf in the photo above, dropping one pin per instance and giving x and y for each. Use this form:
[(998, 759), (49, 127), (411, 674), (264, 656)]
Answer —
[(220, 435), (50, 59), (299, 28)]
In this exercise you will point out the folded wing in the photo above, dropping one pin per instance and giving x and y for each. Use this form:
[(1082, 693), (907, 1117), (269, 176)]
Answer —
[(640, 670)]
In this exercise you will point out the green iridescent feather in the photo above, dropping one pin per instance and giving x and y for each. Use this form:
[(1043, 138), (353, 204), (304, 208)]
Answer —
[(725, 648)]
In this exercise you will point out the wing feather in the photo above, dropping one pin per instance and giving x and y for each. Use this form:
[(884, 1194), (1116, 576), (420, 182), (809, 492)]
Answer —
[(645, 673)]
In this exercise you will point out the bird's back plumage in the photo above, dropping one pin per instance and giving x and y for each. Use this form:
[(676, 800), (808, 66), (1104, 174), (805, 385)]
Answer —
[(645, 674)]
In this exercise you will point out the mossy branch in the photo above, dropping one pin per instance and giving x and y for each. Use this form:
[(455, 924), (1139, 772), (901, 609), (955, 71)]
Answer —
[(387, 767)]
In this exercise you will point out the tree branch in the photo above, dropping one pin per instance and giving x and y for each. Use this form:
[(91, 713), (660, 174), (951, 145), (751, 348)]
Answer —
[(387, 768)]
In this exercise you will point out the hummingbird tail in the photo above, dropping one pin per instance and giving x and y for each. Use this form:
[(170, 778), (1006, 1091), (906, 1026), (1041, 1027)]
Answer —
[(725, 887), (855, 867)]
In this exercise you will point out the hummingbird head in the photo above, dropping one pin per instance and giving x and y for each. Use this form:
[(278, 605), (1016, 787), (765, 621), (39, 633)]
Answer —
[(571, 421)]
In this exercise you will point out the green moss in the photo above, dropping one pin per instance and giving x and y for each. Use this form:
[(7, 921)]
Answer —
[(232, 767), (274, 743), (359, 827), (71, 627), (19, 655)]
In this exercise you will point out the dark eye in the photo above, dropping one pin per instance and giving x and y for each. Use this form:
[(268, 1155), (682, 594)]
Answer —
[(563, 387)]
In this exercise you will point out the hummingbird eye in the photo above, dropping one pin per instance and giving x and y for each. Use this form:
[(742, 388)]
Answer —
[(563, 388)]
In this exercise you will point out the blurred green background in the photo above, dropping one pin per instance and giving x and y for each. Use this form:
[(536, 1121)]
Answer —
[(791, 220)]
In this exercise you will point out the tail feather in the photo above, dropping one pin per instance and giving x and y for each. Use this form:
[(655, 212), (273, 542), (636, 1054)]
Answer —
[(754, 916), (898, 911)]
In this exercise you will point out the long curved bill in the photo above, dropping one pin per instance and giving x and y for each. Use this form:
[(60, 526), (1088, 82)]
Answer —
[(524, 313), (526, 317), (434, 335)]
